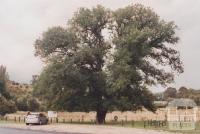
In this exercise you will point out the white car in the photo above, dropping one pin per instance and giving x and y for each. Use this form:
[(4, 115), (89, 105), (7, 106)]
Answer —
[(36, 118)]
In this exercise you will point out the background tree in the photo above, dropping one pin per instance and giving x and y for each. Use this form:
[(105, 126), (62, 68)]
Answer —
[(159, 96), (6, 104), (21, 104), (170, 93), (183, 92), (27, 103), (3, 81), (86, 72)]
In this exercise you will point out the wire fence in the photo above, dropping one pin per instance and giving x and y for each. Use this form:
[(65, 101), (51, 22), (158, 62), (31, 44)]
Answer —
[(145, 124)]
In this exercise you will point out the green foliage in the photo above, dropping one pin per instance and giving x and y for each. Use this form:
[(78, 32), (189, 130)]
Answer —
[(144, 48), (3, 74), (193, 94), (85, 71), (33, 105), (183, 92), (6, 106), (170, 93), (27, 104), (3, 81), (21, 104)]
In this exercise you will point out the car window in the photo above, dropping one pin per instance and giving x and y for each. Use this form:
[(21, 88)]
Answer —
[(32, 116)]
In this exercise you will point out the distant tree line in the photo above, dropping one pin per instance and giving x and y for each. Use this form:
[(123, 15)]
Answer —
[(183, 92)]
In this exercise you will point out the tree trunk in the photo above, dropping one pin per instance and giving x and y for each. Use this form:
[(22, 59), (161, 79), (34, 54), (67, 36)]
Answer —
[(101, 115)]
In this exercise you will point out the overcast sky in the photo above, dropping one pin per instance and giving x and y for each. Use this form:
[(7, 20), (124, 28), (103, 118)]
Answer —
[(23, 21)]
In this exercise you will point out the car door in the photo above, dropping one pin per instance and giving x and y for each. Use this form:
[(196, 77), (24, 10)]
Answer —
[(43, 118)]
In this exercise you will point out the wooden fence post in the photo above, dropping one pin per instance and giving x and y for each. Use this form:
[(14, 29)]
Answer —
[(122, 122), (82, 119), (144, 124), (133, 123)]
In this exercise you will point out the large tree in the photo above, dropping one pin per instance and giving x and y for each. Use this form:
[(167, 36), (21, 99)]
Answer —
[(87, 71)]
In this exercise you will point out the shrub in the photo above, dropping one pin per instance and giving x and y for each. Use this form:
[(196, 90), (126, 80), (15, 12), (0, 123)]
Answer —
[(6, 106)]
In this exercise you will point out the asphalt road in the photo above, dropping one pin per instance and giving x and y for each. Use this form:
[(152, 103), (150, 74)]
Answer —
[(18, 131)]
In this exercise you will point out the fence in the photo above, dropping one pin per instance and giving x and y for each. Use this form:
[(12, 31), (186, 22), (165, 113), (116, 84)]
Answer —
[(138, 124)]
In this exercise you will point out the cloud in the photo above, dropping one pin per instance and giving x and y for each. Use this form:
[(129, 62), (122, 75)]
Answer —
[(22, 22)]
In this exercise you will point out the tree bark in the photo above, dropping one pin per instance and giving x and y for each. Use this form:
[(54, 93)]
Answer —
[(101, 115)]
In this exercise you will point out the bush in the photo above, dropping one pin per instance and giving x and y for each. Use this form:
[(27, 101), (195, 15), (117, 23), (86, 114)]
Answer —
[(6, 106), (22, 104), (27, 104), (33, 105)]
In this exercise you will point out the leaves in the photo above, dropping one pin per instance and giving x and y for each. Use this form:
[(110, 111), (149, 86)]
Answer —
[(86, 71)]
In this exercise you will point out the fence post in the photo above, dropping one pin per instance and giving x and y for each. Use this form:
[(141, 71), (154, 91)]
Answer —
[(63, 120), (56, 120), (71, 120), (133, 123), (122, 122), (82, 118), (144, 124), (15, 119), (126, 118)]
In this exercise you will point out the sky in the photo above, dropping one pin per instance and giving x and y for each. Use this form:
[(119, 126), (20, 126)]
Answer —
[(23, 21)]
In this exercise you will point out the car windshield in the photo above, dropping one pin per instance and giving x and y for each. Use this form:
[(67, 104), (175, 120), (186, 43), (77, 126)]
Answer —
[(33, 115)]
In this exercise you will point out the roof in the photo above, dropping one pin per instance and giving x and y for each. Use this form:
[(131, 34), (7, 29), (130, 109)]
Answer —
[(182, 103)]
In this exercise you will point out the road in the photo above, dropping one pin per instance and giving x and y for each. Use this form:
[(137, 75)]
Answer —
[(18, 131)]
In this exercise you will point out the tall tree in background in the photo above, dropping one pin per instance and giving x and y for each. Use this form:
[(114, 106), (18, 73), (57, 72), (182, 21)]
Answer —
[(170, 93), (3, 81), (86, 72), (6, 104)]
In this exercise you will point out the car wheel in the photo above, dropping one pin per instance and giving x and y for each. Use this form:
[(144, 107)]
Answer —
[(40, 123)]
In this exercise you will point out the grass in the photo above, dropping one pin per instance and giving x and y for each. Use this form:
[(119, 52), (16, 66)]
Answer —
[(130, 124), (141, 125)]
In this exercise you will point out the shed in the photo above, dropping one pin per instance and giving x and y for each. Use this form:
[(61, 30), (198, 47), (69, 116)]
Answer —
[(182, 114)]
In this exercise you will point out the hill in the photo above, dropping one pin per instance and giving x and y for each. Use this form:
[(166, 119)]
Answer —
[(19, 90)]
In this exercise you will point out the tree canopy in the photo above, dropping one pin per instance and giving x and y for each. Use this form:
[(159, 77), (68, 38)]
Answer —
[(105, 60), (183, 92)]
